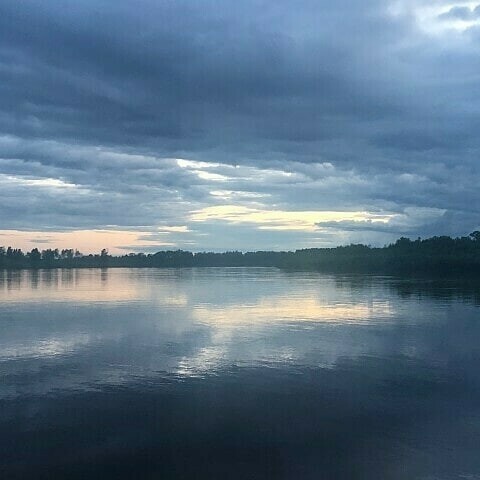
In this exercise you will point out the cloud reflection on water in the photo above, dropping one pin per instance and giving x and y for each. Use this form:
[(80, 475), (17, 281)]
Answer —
[(290, 373), (115, 326)]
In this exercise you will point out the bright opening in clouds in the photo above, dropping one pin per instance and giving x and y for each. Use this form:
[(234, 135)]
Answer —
[(138, 126)]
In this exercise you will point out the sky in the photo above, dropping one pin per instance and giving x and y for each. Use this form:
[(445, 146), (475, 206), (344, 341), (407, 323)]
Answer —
[(227, 125)]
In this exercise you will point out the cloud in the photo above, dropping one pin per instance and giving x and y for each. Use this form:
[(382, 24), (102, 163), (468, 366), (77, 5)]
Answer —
[(461, 13), (412, 221), (130, 118)]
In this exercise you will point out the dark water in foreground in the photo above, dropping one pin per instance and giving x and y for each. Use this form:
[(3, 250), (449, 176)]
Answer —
[(237, 373)]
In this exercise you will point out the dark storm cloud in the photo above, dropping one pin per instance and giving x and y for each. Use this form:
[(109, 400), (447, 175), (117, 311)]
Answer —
[(102, 95), (188, 77)]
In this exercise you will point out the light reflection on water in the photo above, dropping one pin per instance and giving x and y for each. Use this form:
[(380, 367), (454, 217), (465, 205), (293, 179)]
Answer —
[(374, 366)]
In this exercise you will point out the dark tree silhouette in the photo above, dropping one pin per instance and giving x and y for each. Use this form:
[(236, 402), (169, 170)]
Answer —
[(440, 255)]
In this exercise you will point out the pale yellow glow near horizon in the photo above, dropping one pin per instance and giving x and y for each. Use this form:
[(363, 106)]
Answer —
[(281, 219), (87, 241)]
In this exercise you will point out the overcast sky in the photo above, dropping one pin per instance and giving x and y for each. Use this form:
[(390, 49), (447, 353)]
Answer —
[(254, 124)]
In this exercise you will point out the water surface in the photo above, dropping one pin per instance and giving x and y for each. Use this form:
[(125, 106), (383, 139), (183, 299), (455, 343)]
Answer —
[(237, 373)]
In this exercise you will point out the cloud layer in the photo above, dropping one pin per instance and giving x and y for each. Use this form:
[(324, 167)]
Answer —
[(139, 117)]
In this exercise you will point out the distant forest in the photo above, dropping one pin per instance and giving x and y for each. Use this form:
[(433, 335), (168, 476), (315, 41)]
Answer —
[(432, 255)]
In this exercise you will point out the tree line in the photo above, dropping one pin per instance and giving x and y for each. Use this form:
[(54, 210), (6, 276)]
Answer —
[(440, 254)]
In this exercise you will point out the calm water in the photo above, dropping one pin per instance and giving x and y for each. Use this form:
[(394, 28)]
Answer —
[(237, 373)]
